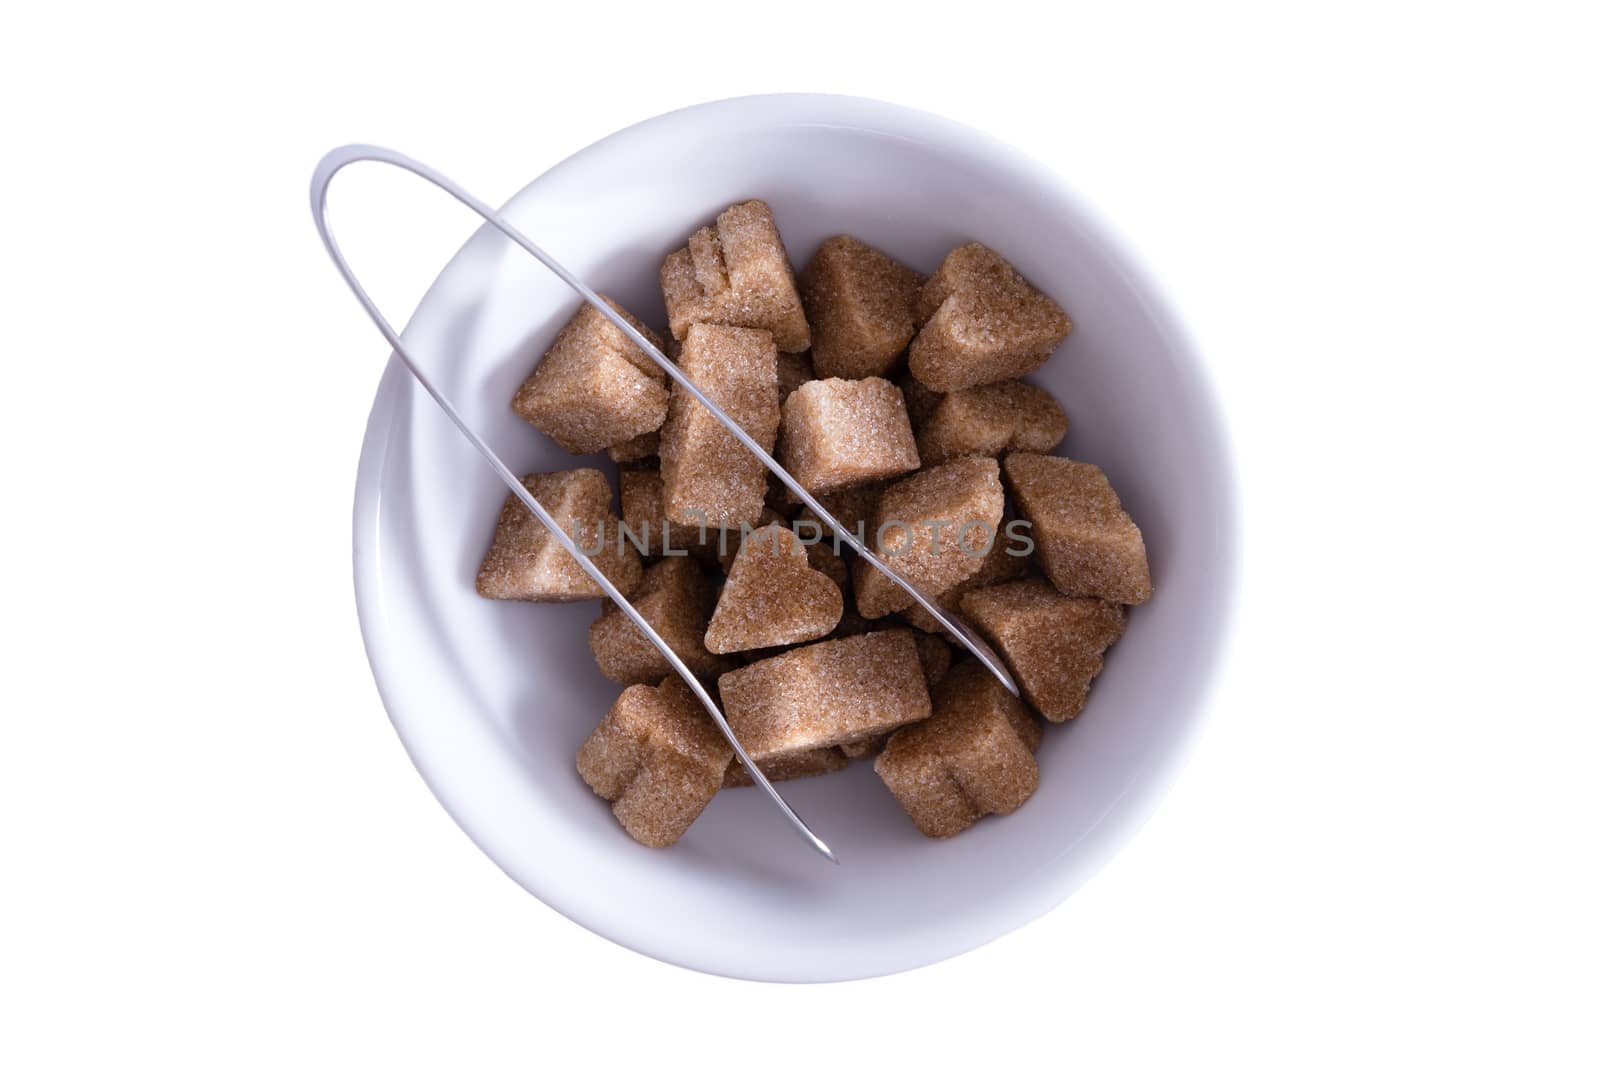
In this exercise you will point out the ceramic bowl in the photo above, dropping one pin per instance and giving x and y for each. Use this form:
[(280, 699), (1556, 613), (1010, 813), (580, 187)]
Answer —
[(493, 699)]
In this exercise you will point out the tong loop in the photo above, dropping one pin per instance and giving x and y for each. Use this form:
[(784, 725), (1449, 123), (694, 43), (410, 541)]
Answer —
[(331, 165)]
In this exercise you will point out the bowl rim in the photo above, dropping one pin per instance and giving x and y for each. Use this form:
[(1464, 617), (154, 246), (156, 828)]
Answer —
[(1052, 883)]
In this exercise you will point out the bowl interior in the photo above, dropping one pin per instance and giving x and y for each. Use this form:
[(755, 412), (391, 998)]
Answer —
[(493, 699)]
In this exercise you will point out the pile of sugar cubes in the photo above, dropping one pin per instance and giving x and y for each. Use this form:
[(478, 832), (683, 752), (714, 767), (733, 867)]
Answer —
[(896, 400)]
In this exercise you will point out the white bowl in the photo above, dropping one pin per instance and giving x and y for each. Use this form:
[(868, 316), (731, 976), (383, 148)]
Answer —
[(493, 699)]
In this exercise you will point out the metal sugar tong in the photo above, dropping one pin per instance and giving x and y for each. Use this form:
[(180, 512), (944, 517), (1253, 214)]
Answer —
[(334, 162)]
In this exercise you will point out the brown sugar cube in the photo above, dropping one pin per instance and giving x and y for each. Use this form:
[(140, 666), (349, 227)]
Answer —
[(998, 566), (636, 451), (970, 681), (936, 657), (987, 420), (525, 563), (973, 757), (783, 768), (839, 433), (675, 597), (933, 530), (645, 522), (708, 478), (658, 758), (772, 596), (1054, 644), (861, 305), (1087, 545), (794, 370), (982, 322), (736, 273), (594, 387), (829, 693)]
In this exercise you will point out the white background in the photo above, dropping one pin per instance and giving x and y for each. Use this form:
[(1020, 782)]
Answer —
[(1381, 225)]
